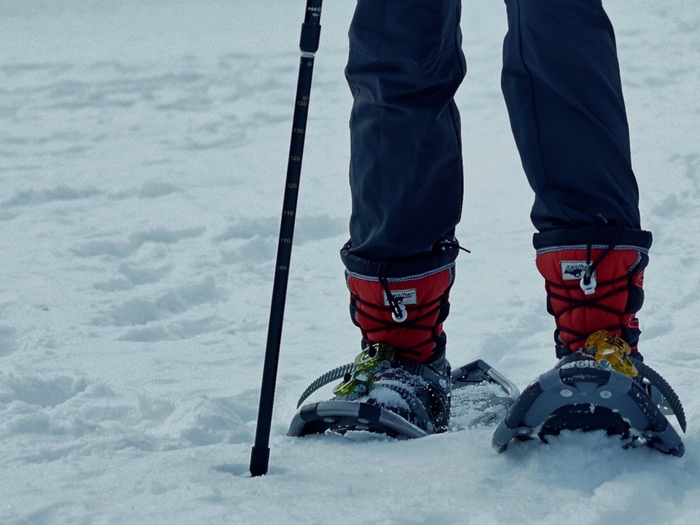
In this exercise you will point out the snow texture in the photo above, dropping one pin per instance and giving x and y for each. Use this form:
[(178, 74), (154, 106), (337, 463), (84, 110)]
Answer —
[(143, 148)]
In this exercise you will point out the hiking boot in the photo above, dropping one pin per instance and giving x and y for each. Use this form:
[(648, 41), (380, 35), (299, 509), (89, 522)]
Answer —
[(400, 383)]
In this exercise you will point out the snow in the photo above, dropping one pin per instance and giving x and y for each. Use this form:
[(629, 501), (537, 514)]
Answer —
[(143, 149)]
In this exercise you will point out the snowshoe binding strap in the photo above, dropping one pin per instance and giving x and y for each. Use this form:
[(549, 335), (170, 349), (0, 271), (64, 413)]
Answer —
[(478, 371), (326, 378), (612, 352), (418, 397), (358, 376), (661, 393)]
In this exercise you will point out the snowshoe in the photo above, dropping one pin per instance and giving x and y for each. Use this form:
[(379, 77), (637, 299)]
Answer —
[(384, 394), (600, 387)]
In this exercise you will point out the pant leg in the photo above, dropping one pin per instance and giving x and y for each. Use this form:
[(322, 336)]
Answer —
[(561, 83), (404, 67)]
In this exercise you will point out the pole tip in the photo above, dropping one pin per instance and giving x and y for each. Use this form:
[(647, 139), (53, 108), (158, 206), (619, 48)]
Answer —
[(259, 460)]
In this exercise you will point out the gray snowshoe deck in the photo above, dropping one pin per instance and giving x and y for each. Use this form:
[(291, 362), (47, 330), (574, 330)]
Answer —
[(589, 399)]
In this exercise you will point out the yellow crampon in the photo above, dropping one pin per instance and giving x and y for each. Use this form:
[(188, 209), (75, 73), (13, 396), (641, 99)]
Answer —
[(372, 360), (612, 351)]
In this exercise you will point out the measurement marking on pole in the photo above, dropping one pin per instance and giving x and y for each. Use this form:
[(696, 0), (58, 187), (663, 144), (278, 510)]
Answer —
[(295, 158), (292, 185), (284, 240), (299, 130), (289, 213)]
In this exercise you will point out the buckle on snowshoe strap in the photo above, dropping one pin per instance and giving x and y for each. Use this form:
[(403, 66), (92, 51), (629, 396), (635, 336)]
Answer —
[(584, 389)]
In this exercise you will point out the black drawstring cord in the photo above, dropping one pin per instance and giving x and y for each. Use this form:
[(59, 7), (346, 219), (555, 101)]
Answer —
[(395, 304), (397, 308), (586, 285)]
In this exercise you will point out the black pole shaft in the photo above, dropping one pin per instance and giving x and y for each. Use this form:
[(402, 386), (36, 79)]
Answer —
[(310, 36)]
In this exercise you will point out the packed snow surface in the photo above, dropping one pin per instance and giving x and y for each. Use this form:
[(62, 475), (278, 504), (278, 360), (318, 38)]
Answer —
[(143, 148)]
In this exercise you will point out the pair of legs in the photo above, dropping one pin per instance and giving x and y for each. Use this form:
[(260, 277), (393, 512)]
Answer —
[(562, 87), (561, 83)]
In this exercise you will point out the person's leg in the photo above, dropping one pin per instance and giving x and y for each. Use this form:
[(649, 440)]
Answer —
[(561, 83), (404, 67), (562, 86)]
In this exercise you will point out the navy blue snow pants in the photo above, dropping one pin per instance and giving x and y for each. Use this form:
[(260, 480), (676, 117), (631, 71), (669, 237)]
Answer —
[(561, 84)]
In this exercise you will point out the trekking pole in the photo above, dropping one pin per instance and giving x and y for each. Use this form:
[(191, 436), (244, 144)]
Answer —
[(310, 36)]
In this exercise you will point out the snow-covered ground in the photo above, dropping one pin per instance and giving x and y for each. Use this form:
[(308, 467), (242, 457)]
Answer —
[(143, 149)]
